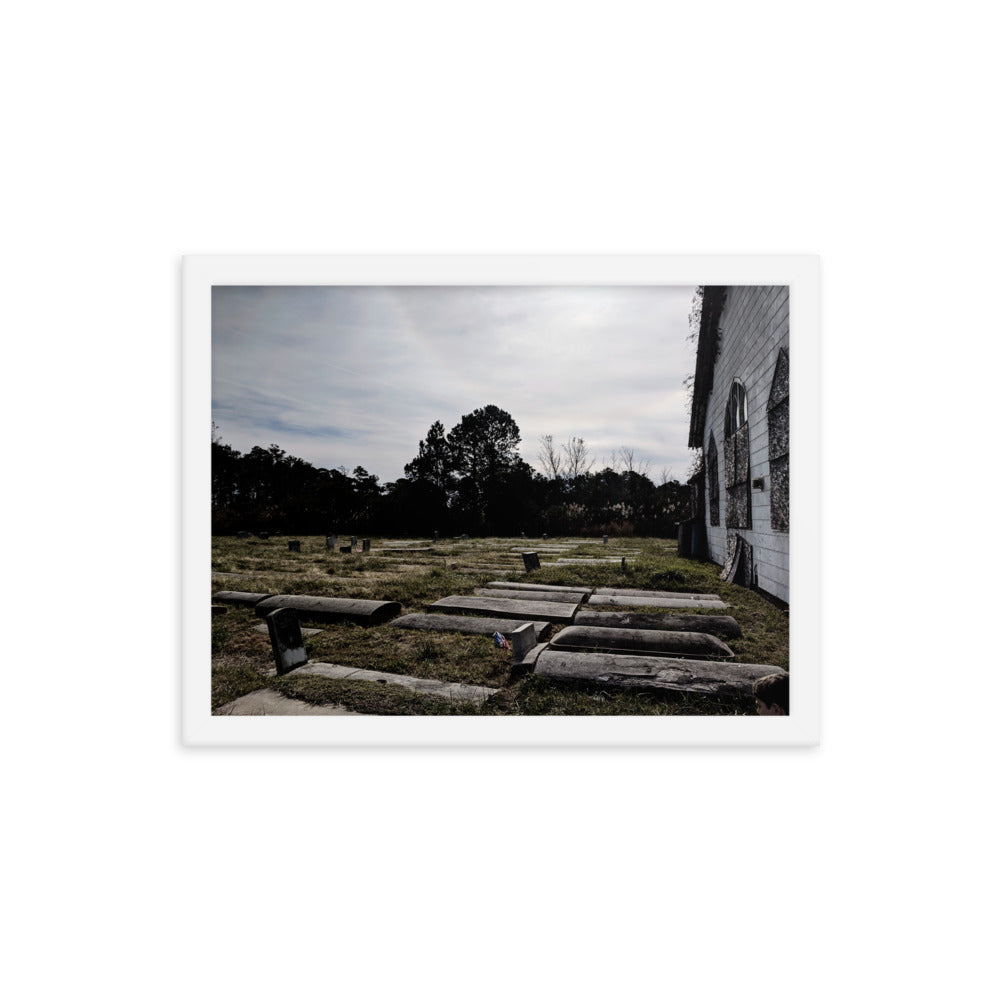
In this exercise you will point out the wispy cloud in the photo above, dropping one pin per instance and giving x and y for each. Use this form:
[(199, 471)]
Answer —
[(344, 376)]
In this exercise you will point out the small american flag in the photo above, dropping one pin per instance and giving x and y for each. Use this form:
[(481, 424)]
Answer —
[(500, 642)]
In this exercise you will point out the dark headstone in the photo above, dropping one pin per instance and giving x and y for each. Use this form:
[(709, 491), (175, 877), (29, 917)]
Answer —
[(354, 540), (366, 545), (531, 561), (605, 539), (331, 541), (295, 546), (286, 640)]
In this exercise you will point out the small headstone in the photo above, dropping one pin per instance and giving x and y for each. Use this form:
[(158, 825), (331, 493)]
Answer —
[(623, 564), (545, 538), (531, 561), (522, 534), (465, 538), (366, 545), (522, 641), (345, 550), (331, 541), (354, 540), (435, 536), (295, 546), (605, 539), (286, 640)]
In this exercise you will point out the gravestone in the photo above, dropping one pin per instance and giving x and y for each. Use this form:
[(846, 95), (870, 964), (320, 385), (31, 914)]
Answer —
[(530, 561), (623, 564), (545, 538), (435, 536), (286, 640), (366, 545), (516, 594), (244, 598), (354, 541), (331, 541), (711, 677), (522, 534), (722, 625), (465, 538), (468, 625), (345, 550), (295, 546), (605, 539), (503, 607), (522, 641), (657, 642), (332, 609)]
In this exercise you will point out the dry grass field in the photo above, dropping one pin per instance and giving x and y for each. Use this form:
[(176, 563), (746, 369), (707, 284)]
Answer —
[(416, 573)]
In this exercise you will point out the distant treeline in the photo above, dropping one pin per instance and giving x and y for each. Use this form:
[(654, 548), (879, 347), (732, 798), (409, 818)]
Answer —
[(470, 480)]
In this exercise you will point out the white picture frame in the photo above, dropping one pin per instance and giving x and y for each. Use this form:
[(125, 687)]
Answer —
[(801, 727)]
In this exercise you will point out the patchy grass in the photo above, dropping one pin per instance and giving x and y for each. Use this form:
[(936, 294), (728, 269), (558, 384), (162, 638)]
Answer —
[(241, 657)]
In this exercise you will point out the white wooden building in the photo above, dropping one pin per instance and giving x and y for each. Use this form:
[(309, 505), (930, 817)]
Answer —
[(740, 421)]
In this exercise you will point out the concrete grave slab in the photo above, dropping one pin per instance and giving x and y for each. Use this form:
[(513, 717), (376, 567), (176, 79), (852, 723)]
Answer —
[(559, 596), (656, 642), (652, 672), (656, 602), (240, 597), (421, 685), (501, 607), (510, 585), (331, 609), (673, 595), (467, 625), (722, 625)]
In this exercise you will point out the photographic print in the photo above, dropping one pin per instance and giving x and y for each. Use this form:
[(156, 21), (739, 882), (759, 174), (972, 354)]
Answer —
[(499, 500)]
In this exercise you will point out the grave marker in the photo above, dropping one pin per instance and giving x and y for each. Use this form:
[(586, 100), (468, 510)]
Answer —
[(286, 640), (331, 541), (530, 561), (366, 545), (295, 546)]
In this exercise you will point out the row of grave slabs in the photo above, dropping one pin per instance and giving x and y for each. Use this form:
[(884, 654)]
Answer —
[(561, 633)]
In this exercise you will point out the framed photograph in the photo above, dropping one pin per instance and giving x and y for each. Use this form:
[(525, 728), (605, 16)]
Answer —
[(501, 501)]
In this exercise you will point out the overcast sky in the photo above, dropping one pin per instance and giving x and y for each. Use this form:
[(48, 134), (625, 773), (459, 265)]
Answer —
[(348, 376)]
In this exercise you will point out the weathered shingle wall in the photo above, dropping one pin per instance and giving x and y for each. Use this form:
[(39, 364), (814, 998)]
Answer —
[(754, 328)]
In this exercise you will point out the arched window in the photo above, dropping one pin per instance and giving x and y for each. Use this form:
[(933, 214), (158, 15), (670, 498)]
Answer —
[(777, 442), (737, 455), (712, 471)]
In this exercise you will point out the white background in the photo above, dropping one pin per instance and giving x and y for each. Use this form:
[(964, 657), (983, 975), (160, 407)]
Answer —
[(134, 134)]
